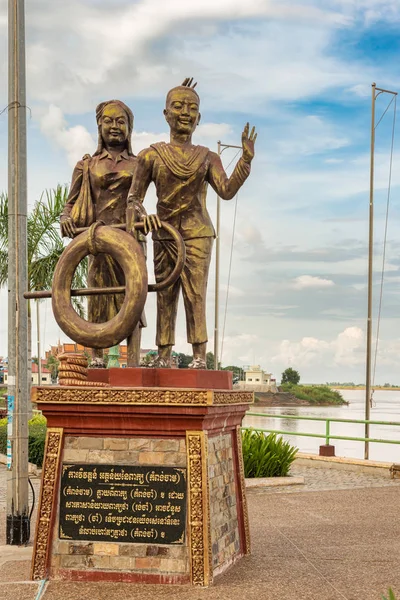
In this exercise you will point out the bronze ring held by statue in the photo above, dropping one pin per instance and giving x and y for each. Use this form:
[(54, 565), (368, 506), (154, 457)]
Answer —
[(126, 250), (180, 254), (180, 257)]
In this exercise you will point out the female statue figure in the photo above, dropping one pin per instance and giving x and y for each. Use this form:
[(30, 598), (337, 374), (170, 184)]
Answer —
[(99, 190)]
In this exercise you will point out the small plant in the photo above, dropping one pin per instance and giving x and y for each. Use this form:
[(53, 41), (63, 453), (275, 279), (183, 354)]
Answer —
[(36, 442), (390, 596), (266, 455)]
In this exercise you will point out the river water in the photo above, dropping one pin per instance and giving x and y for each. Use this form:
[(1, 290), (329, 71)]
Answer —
[(386, 407)]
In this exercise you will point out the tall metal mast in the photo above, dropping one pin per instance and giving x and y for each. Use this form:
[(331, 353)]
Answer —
[(375, 93), (221, 148), (18, 528)]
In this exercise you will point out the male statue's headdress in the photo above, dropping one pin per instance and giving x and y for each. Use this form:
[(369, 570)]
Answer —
[(186, 84)]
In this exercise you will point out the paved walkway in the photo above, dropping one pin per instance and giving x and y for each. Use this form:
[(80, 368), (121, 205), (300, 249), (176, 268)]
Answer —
[(335, 537)]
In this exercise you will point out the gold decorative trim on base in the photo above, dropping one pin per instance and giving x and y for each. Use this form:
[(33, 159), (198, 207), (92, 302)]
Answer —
[(242, 483), (140, 396), (51, 463), (232, 397), (199, 516)]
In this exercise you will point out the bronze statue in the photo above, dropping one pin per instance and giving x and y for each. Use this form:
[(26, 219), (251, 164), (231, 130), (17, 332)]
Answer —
[(181, 172), (99, 189)]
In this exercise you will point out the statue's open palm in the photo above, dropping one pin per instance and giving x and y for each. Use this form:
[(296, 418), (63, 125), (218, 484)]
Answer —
[(248, 142)]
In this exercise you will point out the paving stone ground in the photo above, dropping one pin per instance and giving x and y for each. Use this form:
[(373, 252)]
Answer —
[(337, 536)]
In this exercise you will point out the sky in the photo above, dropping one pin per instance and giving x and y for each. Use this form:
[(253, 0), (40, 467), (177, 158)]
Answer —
[(301, 72)]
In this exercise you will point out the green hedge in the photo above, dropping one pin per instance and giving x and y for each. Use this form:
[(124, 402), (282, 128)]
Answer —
[(37, 437), (266, 455), (315, 394)]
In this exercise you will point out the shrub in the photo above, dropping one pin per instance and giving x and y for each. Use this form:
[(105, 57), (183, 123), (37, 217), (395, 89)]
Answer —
[(37, 437), (266, 455), (315, 394)]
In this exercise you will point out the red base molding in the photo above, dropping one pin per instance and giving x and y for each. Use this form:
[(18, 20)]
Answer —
[(122, 577), (164, 378), (132, 420)]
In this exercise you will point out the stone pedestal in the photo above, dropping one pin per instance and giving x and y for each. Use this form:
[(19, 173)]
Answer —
[(141, 484)]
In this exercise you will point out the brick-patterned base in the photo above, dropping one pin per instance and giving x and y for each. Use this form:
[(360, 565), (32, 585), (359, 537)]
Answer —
[(112, 556), (225, 535), (215, 536)]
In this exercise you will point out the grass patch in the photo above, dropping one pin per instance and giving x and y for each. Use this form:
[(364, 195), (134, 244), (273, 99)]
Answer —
[(315, 394), (266, 455)]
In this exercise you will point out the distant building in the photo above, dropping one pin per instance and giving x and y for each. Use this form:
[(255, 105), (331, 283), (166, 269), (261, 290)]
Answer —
[(256, 376), (46, 376), (256, 380)]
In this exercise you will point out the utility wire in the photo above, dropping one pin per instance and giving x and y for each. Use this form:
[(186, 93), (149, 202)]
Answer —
[(229, 275), (385, 235), (386, 109), (230, 261)]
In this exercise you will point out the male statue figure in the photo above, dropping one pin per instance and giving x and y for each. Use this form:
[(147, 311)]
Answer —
[(181, 172)]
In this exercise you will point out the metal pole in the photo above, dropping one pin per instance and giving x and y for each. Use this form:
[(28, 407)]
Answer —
[(221, 148), (217, 251), (370, 274), (18, 527), (38, 343)]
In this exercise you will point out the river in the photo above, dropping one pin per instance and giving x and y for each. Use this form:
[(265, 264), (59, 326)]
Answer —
[(386, 407)]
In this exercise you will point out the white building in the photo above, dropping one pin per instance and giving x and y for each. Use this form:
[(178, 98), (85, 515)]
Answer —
[(256, 376)]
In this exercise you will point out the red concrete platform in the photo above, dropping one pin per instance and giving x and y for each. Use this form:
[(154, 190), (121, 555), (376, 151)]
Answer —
[(164, 378)]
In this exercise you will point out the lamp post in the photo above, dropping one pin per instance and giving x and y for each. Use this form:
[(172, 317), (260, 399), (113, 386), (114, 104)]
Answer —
[(221, 148)]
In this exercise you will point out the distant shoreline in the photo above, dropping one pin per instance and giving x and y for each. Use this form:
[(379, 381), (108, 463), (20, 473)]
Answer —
[(362, 387)]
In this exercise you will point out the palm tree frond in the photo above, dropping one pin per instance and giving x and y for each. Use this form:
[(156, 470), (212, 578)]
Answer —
[(3, 267), (3, 221)]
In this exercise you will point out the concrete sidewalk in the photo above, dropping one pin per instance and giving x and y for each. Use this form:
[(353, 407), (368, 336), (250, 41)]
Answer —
[(337, 536)]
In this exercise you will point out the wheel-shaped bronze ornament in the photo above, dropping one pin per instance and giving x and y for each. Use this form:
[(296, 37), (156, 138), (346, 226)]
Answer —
[(126, 250)]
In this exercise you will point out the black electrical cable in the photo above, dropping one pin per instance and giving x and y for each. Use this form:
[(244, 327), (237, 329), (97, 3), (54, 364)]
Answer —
[(33, 498)]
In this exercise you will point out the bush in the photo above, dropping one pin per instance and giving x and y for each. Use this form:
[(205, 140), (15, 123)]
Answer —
[(266, 455), (37, 437), (315, 394)]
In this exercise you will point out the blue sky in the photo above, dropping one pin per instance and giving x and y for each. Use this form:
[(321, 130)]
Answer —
[(301, 71)]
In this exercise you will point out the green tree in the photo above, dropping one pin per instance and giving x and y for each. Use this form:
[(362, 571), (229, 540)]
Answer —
[(290, 375), (45, 246), (184, 360), (53, 364), (210, 361), (237, 371)]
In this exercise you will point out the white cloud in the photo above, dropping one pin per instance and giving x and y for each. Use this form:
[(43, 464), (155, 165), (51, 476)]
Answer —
[(76, 141), (75, 58), (214, 131), (309, 281), (311, 135), (143, 139), (347, 349)]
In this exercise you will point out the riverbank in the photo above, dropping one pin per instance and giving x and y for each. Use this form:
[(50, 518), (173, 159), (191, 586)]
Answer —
[(278, 399), (362, 387), (301, 395)]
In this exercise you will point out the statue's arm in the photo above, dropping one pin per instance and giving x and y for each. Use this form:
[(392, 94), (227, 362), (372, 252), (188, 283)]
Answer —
[(140, 181), (74, 190), (66, 222), (227, 187)]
